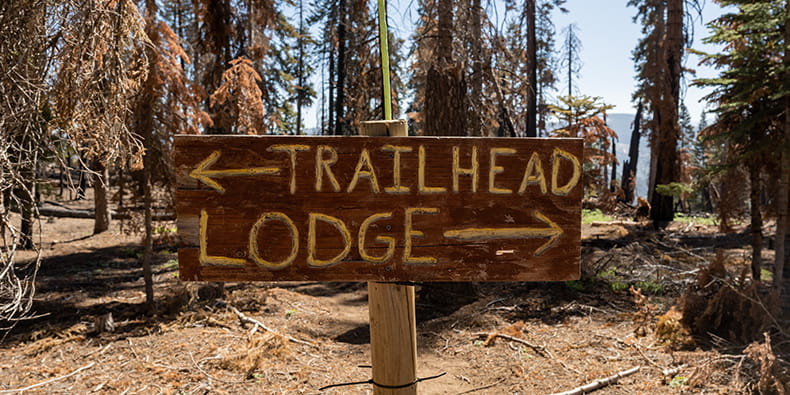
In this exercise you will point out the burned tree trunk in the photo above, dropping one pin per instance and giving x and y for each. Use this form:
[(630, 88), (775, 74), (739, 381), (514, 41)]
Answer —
[(665, 138), (782, 235), (613, 183), (756, 220), (532, 71), (330, 126), (628, 180), (340, 124), (475, 119)]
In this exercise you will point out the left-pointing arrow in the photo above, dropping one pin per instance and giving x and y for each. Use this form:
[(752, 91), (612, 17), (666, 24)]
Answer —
[(206, 176)]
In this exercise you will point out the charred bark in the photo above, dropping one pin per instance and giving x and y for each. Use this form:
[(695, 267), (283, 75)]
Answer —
[(330, 126), (341, 68), (628, 179), (782, 235), (613, 182), (665, 141), (148, 242), (300, 69), (476, 79), (532, 72), (756, 220)]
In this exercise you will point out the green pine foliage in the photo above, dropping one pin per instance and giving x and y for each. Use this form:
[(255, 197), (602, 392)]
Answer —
[(748, 91)]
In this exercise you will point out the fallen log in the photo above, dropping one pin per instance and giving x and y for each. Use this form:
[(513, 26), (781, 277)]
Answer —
[(48, 210), (62, 212)]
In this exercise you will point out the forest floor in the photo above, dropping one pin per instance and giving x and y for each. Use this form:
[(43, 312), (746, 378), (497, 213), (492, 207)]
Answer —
[(91, 334)]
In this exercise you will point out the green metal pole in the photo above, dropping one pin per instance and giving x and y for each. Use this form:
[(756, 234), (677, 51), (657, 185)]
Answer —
[(385, 59)]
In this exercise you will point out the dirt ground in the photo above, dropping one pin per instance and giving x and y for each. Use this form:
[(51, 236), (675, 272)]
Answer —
[(91, 334)]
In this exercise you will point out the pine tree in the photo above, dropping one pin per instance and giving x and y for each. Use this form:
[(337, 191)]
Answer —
[(782, 255), (687, 136), (240, 99), (303, 90), (750, 103), (445, 88), (584, 117), (102, 66), (658, 58), (167, 104), (352, 85), (532, 68), (547, 62), (570, 60), (528, 97)]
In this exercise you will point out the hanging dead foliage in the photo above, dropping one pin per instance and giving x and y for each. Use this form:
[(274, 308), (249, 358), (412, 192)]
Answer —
[(102, 66), (237, 102)]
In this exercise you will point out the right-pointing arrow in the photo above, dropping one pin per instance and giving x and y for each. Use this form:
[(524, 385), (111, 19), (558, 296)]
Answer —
[(553, 232)]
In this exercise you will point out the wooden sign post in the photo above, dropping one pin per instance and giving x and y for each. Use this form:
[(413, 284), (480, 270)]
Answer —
[(393, 319), (379, 209)]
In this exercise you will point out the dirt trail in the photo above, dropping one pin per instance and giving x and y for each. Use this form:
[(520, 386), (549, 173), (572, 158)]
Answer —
[(195, 344)]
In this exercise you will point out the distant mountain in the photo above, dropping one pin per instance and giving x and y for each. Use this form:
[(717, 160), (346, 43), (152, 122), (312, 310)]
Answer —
[(622, 124)]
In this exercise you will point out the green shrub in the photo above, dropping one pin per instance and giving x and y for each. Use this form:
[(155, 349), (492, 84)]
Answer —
[(595, 215)]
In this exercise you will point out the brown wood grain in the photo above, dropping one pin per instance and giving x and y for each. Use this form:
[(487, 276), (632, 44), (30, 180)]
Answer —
[(486, 232)]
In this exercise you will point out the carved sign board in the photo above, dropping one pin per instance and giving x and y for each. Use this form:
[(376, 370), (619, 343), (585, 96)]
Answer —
[(264, 208)]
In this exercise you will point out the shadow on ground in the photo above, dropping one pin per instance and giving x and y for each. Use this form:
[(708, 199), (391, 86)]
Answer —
[(83, 288)]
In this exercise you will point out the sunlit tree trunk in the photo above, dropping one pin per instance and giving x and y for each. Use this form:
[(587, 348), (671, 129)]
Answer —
[(445, 87), (667, 133), (101, 184)]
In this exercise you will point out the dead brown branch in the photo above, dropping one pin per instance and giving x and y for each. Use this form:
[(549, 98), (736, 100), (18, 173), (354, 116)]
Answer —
[(600, 383), (50, 381), (538, 348), (24, 138), (487, 386), (245, 319)]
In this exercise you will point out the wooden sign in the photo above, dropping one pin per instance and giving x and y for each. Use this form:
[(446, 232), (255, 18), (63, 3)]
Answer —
[(254, 208)]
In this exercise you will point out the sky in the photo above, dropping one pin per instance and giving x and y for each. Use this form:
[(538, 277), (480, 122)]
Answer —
[(608, 35)]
